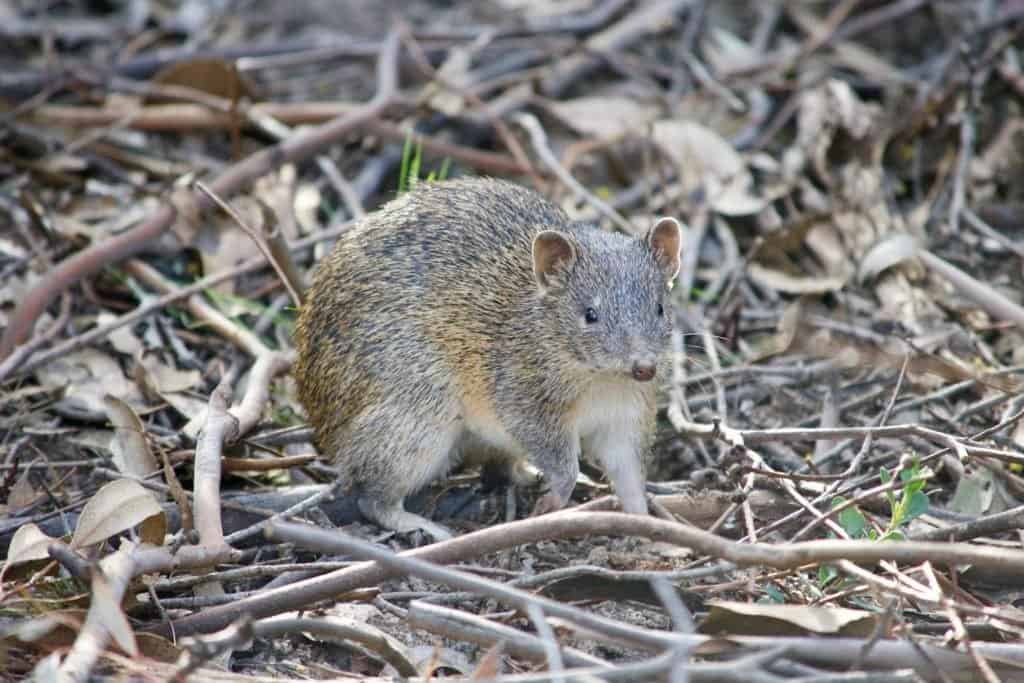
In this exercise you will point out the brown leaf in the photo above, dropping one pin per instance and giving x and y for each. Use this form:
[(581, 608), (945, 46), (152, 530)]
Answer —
[(22, 493), (157, 647), (602, 116), (741, 618), (129, 447), (489, 665), (223, 245), (793, 284), (162, 378), (28, 544), (123, 339), (216, 77), (117, 506), (706, 161), (109, 613), (86, 377)]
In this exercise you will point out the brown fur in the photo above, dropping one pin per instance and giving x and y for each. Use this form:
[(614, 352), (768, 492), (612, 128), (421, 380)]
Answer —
[(438, 321)]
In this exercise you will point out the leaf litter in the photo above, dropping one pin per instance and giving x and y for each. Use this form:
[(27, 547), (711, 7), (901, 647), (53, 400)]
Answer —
[(847, 175)]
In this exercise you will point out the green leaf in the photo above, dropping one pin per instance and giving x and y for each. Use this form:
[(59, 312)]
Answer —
[(917, 505), (826, 574), (886, 478), (913, 487), (442, 174), (414, 166), (774, 594), (403, 172), (853, 522)]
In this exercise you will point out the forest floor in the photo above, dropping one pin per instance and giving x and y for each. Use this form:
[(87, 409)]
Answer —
[(836, 482)]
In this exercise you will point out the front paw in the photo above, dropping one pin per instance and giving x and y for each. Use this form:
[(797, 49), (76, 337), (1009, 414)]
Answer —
[(549, 502)]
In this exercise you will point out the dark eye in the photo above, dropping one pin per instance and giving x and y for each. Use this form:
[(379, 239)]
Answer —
[(661, 310), (590, 315)]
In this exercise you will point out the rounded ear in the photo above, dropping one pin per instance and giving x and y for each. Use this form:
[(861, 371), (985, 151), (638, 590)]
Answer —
[(665, 240), (554, 255)]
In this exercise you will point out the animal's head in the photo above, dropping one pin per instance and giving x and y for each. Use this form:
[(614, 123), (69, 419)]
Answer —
[(608, 294)]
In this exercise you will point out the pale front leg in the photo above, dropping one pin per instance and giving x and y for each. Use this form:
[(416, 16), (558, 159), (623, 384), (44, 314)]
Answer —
[(621, 458), (558, 459)]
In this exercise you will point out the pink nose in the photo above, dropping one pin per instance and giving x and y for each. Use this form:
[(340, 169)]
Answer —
[(643, 372)]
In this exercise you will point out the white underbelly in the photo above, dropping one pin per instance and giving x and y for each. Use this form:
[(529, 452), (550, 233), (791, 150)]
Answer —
[(611, 405)]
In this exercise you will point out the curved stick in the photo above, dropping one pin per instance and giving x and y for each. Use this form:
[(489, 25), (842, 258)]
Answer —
[(296, 148)]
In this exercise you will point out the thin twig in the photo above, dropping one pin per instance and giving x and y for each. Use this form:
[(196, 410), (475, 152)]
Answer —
[(257, 239), (301, 146), (540, 145)]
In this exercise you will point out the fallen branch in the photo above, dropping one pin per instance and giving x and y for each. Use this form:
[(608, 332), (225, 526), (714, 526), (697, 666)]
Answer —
[(169, 118), (569, 524), (301, 146), (886, 654), (144, 309)]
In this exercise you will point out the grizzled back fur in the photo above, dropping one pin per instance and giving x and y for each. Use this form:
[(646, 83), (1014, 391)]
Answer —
[(447, 291)]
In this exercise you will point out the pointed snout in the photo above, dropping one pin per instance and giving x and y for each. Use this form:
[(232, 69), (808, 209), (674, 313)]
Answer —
[(644, 361), (643, 371)]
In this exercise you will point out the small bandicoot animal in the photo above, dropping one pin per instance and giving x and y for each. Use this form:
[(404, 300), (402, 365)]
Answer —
[(474, 314)]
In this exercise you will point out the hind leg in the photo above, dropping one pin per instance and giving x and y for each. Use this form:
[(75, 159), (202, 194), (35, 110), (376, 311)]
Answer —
[(394, 449), (391, 514)]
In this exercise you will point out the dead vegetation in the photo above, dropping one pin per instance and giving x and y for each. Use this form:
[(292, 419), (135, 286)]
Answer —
[(836, 484)]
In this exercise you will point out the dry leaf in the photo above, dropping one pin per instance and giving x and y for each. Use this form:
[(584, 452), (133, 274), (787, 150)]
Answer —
[(216, 77), (706, 161), (779, 343), (726, 52), (489, 665), (116, 507), (107, 610), (86, 377), (161, 378), (130, 448), (13, 291), (12, 250), (222, 244), (122, 339), (741, 618), (306, 205), (793, 284), (189, 407), (535, 10), (96, 439), (974, 492), (892, 250), (454, 71), (602, 116), (22, 494), (47, 669), (157, 647), (28, 544)]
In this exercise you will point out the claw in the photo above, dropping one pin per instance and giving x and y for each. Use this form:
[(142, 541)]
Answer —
[(523, 474)]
